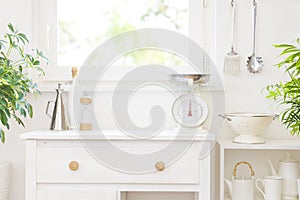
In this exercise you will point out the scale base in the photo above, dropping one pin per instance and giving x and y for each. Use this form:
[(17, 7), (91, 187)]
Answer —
[(248, 139), (197, 130)]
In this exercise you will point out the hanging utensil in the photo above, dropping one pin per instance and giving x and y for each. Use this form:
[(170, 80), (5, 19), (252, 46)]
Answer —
[(254, 63), (232, 59)]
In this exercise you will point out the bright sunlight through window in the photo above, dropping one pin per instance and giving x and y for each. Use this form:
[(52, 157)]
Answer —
[(83, 25)]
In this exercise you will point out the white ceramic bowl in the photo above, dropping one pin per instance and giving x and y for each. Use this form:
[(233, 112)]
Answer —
[(248, 126)]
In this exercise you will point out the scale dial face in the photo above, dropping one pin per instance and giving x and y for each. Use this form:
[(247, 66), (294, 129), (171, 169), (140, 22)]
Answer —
[(190, 110)]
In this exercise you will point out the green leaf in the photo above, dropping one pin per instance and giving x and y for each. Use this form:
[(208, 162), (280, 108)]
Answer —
[(36, 62), (289, 50), (9, 39), (6, 110), (1, 45), (3, 117), (15, 83), (20, 121), (23, 37), (288, 93), (11, 27), (283, 45), (22, 112), (1, 70), (2, 136), (29, 109)]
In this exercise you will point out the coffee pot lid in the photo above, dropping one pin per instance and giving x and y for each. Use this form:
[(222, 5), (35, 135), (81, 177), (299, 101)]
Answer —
[(288, 159)]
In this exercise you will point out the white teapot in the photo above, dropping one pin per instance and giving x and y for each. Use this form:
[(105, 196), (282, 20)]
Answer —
[(241, 189), (289, 170)]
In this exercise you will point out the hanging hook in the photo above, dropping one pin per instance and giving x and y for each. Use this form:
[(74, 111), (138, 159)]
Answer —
[(254, 2), (232, 2)]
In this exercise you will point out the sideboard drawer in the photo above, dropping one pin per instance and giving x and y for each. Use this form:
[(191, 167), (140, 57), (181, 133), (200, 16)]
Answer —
[(76, 165), (73, 194)]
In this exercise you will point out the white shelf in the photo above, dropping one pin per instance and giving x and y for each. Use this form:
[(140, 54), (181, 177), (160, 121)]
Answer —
[(227, 198), (114, 135), (272, 144)]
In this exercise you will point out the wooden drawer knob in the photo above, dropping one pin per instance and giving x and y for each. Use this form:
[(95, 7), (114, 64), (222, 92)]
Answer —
[(160, 166), (73, 165)]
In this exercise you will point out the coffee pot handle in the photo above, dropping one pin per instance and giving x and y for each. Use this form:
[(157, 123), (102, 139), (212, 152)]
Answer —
[(259, 189), (47, 108)]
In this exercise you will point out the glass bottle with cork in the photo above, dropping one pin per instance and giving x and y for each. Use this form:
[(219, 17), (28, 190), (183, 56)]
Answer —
[(86, 114)]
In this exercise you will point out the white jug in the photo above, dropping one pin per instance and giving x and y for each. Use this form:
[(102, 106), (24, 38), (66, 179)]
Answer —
[(241, 189), (289, 170)]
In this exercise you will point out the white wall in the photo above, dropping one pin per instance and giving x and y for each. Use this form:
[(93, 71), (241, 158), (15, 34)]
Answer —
[(277, 23), (242, 91), (19, 12)]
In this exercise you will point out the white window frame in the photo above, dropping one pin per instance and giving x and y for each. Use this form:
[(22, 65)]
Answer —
[(45, 35)]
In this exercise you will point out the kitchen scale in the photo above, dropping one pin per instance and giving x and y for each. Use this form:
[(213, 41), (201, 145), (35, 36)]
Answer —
[(189, 110)]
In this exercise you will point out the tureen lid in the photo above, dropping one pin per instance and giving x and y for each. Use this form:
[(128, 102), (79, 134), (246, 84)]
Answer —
[(288, 159)]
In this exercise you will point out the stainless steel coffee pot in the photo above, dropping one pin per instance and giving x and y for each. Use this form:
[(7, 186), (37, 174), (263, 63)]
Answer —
[(59, 117)]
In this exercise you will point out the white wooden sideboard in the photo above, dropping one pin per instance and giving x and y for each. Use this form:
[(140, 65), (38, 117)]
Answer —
[(59, 167)]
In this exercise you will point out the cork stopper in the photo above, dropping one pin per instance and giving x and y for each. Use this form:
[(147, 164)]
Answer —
[(85, 126), (86, 100), (74, 72)]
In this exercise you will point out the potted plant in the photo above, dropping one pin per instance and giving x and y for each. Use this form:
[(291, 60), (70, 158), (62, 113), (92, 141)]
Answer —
[(15, 81), (288, 93)]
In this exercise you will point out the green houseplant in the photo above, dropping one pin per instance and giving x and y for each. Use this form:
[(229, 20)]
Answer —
[(15, 82), (288, 93)]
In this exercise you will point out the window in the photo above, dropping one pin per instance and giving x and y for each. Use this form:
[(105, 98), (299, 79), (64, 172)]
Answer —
[(69, 30), (79, 34)]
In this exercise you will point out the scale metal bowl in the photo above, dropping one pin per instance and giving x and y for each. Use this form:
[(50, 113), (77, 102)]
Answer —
[(192, 79)]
